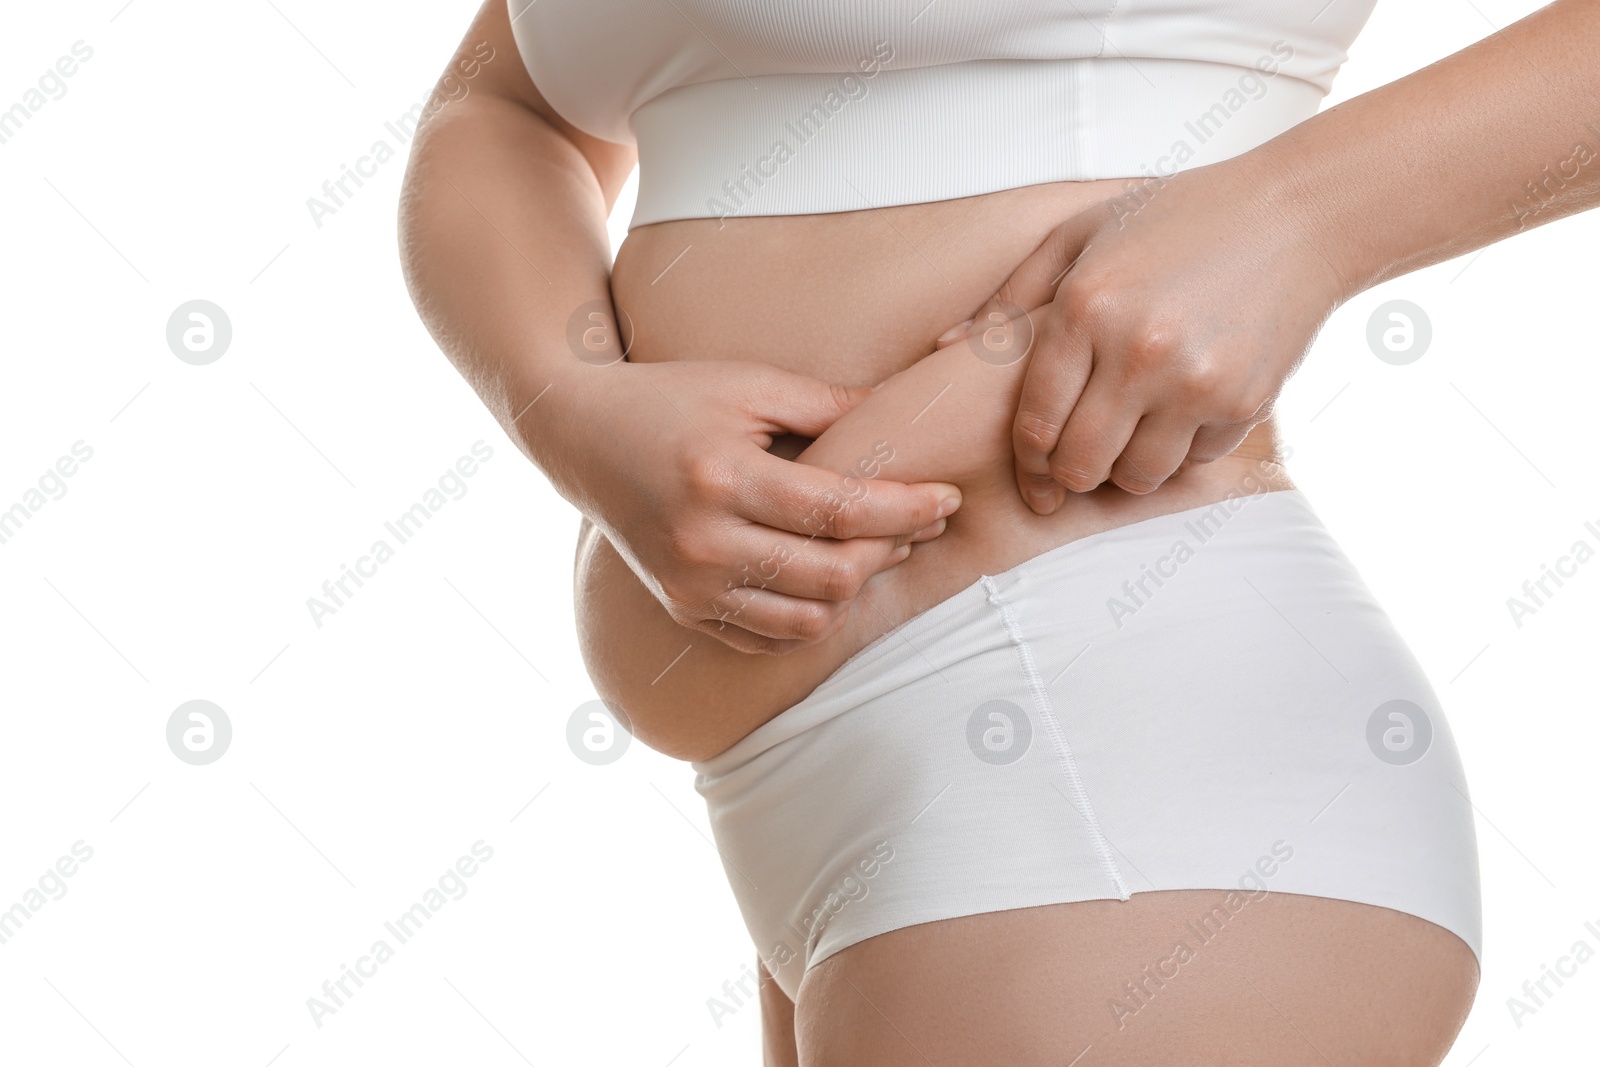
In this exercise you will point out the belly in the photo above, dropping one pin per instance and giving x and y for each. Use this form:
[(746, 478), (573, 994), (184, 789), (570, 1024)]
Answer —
[(852, 297)]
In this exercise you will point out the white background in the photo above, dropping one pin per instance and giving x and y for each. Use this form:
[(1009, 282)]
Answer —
[(425, 715)]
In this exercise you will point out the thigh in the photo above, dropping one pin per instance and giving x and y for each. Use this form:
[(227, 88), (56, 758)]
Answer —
[(777, 1023), (1289, 980)]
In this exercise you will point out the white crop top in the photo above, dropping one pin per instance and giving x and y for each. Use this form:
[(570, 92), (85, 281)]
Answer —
[(792, 107)]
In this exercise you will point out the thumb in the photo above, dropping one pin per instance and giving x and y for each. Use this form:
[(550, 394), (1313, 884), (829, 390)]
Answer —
[(782, 401), (1035, 281)]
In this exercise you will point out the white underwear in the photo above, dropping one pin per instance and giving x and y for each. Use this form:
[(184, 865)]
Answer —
[(1210, 699)]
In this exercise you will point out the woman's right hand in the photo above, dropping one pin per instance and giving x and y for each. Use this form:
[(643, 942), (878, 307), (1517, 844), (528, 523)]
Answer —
[(669, 460)]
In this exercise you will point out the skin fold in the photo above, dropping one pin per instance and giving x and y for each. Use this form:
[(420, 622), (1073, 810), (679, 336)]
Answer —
[(1159, 342), (944, 417)]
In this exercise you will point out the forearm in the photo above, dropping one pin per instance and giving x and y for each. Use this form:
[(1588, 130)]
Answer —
[(503, 237), (1497, 138)]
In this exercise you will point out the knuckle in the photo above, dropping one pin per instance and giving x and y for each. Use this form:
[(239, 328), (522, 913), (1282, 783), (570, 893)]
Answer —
[(735, 638), (1075, 475), (841, 395), (1085, 301), (707, 476), (840, 580), (1034, 431), (1133, 482), (1208, 381), (687, 547), (1056, 248), (846, 522), (809, 622), (676, 611), (672, 592), (823, 520), (1152, 346), (1246, 407), (686, 612), (842, 515), (1240, 410)]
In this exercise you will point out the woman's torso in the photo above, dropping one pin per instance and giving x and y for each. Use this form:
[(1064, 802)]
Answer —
[(852, 297)]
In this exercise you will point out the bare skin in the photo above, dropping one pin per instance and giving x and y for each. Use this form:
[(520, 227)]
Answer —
[(505, 250), (1176, 316), (1291, 981), (1367, 985), (943, 416), (667, 455)]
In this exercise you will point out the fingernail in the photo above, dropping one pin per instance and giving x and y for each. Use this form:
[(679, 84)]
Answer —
[(930, 531), (1042, 501), (900, 553), (955, 331), (947, 505)]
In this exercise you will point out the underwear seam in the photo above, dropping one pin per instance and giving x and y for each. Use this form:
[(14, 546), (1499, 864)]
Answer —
[(1046, 711)]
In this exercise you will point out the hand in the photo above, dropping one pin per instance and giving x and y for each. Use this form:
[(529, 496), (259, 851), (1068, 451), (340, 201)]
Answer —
[(669, 460), (1164, 324)]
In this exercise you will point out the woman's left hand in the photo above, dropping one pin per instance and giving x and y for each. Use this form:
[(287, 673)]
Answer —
[(1164, 324)]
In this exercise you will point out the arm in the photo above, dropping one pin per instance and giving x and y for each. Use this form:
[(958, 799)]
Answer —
[(504, 246), (1493, 140), (1174, 321)]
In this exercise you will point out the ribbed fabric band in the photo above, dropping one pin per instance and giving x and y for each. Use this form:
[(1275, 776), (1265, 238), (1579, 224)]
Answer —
[(794, 144)]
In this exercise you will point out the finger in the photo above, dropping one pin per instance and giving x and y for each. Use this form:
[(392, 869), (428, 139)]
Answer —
[(820, 503), (1057, 373), (741, 640), (785, 618), (1158, 445), (1032, 285), (811, 568), (1096, 433), (737, 637), (927, 533), (1036, 279), (953, 334), (784, 402), (800, 597), (1215, 440)]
